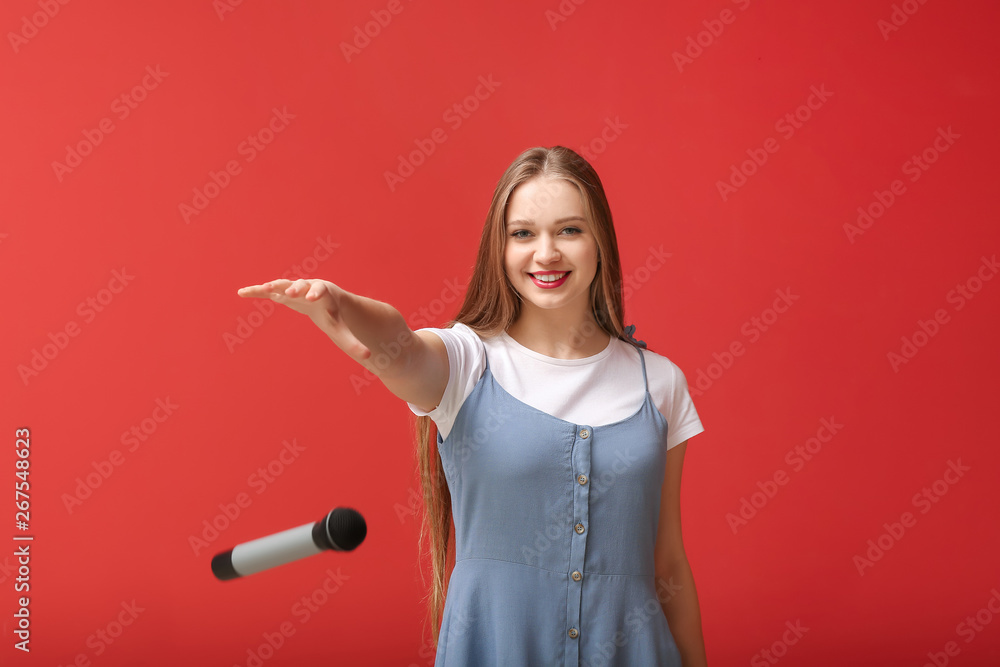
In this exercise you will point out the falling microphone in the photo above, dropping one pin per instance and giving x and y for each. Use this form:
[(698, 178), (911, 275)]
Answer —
[(343, 529)]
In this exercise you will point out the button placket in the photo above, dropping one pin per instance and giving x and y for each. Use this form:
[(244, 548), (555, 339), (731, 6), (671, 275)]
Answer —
[(583, 439)]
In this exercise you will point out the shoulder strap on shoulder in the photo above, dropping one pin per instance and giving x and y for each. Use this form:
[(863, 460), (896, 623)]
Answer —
[(642, 360)]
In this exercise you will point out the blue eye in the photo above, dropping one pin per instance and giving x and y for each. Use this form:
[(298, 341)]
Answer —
[(524, 233)]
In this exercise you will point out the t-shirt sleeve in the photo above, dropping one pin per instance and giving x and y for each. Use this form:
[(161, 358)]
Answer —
[(466, 364), (675, 403)]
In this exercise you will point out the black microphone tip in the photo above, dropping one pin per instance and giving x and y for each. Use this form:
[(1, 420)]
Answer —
[(343, 529)]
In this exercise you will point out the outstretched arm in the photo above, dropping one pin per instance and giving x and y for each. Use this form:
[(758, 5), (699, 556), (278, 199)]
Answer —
[(413, 366)]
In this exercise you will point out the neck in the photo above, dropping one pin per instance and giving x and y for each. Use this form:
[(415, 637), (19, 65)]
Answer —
[(560, 334)]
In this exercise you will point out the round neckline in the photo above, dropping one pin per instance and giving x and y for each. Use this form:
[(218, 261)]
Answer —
[(646, 399), (555, 360)]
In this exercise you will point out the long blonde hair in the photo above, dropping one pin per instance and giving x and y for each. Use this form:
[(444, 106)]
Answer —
[(491, 305)]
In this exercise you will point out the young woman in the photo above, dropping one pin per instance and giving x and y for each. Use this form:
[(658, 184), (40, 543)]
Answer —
[(559, 438)]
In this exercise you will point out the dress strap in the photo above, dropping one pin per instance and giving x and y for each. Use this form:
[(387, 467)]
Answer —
[(642, 360)]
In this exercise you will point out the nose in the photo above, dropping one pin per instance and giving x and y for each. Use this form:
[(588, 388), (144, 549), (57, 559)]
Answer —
[(547, 251)]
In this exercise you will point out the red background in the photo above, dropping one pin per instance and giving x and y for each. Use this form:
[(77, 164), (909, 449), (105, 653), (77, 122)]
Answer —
[(680, 129)]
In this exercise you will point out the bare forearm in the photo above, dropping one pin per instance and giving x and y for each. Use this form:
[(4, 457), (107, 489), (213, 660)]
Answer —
[(380, 327), (680, 606)]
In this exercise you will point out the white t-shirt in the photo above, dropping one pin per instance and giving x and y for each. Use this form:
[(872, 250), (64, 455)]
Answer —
[(597, 390)]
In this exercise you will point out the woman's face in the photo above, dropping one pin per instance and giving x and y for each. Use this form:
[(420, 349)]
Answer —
[(550, 254)]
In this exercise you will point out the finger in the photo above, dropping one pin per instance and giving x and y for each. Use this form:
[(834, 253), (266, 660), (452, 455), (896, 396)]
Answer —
[(264, 290), (253, 291), (316, 291), (300, 286)]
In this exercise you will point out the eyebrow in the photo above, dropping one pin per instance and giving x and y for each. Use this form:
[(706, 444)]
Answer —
[(558, 222)]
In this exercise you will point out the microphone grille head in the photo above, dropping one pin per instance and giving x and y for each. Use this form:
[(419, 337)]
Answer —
[(347, 528)]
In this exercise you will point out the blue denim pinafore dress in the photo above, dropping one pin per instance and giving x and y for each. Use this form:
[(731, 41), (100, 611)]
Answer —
[(555, 529)]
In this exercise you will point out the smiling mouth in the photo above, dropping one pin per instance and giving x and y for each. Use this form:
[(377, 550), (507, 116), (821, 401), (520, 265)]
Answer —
[(549, 279)]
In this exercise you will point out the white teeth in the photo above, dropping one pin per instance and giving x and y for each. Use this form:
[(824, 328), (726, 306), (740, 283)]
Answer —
[(550, 278)]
